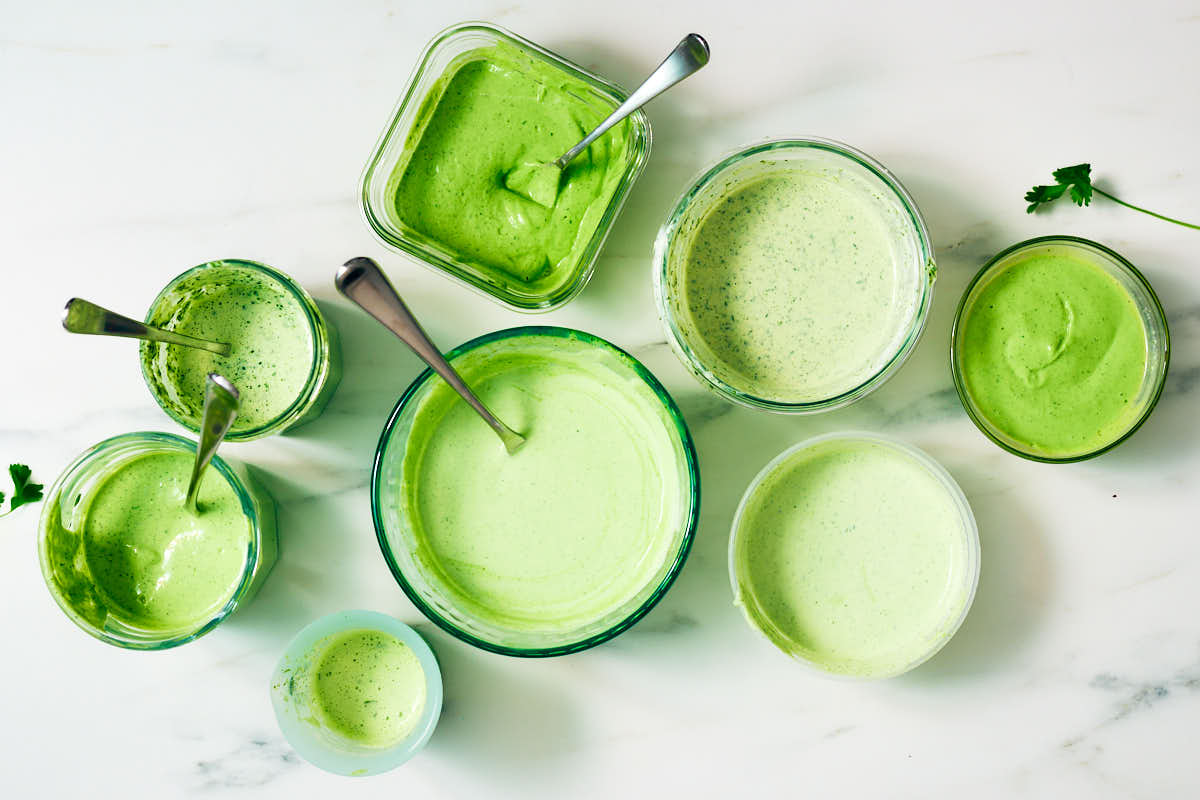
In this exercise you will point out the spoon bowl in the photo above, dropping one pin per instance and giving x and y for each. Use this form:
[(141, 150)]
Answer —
[(220, 408)]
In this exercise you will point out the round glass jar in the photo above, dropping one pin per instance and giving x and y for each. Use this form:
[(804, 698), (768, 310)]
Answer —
[(62, 548), (286, 363), (894, 225)]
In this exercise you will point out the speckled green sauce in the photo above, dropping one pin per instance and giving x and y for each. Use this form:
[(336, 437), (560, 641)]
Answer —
[(271, 342), (140, 556), (495, 111), (1053, 354), (793, 289), (852, 555), (368, 686)]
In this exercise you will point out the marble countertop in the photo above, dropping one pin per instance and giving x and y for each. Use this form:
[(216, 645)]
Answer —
[(141, 139)]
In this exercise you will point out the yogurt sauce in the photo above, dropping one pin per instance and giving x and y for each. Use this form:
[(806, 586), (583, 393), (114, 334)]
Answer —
[(272, 350), (367, 686), (582, 521), (794, 287), (854, 556), (1053, 352), (138, 555)]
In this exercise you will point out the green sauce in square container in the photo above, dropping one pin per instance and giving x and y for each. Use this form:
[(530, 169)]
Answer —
[(482, 103)]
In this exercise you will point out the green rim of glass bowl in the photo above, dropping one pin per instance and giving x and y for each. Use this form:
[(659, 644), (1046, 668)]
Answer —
[(639, 155), (692, 515), (321, 349), (167, 442), (665, 240), (1154, 309)]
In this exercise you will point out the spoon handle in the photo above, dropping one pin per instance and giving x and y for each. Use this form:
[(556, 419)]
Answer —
[(688, 56), (80, 316), (220, 409), (363, 282)]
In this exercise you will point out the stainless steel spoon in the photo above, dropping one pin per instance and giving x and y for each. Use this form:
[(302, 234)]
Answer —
[(363, 282), (220, 409), (539, 182), (688, 56), (80, 316)]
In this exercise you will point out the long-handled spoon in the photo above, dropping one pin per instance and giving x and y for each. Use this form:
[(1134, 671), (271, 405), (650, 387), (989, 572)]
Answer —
[(361, 280), (80, 316), (539, 182), (220, 408)]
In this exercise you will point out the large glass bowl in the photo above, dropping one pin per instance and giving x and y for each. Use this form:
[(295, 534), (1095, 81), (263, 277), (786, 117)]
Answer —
[(396, 537)]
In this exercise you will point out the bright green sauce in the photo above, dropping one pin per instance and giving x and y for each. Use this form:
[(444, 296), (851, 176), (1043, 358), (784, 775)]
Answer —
[(852, 555), (368, 686), (497, 112), (794, 288), (574, 525), (266, 327), (137, 554), (1053, 352)]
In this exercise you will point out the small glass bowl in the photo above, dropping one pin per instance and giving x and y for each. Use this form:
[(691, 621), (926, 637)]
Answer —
[(323, 377), (87, 472), (394, 532), (970, 574), (673, 241), (396, 143), (325, 748), (1158, 344)]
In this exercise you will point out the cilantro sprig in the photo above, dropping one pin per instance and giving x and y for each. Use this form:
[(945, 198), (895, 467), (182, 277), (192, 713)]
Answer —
[(24, 489), (1077, 182)]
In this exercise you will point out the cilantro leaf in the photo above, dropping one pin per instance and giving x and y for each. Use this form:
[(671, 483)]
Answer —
[(1078, 180), (25, 491), (1043, 194)]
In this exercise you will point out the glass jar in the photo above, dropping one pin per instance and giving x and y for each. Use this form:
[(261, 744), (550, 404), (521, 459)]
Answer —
[(62, 549), (1149, 310), (908, 240), (286, 365)]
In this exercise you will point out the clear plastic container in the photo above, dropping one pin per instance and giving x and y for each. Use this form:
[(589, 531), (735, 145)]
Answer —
[(315, 741), (84, 476), (444, 54), (958, 592)]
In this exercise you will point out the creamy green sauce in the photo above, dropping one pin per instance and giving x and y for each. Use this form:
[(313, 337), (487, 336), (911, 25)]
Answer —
[(499, 112), (852, 555), (133, 552), (266, 327), (580, 521), (794, 289), (367, 686), (1053, 354)]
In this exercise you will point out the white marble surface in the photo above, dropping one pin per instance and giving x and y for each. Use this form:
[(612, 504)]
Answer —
[(139, 139)]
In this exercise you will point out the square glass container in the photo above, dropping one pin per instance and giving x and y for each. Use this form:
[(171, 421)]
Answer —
[(444, 55)]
